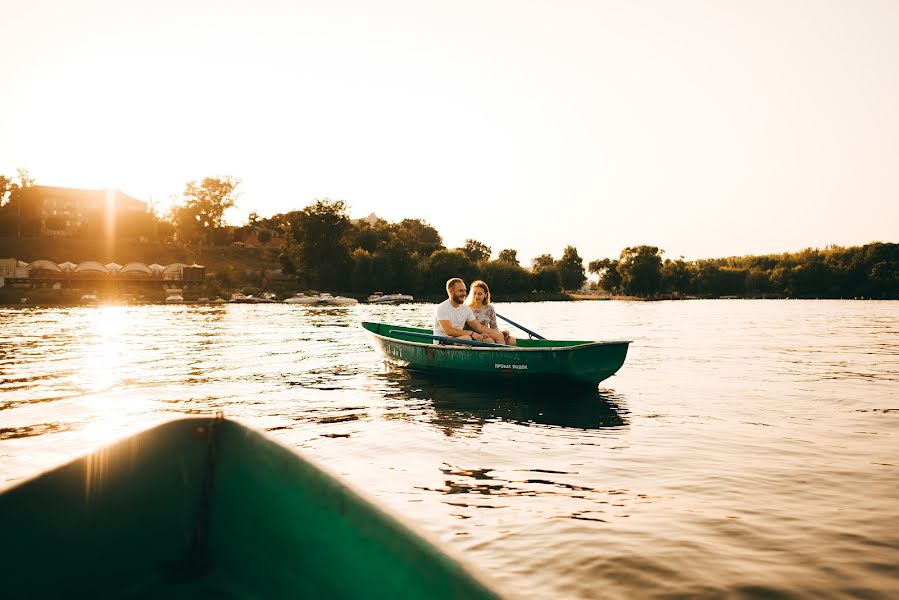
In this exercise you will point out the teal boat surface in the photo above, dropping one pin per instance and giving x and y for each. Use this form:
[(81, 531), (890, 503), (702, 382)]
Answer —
[(209, 508), (560, 361)]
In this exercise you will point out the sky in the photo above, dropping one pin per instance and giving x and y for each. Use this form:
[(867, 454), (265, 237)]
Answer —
[(706, 128)]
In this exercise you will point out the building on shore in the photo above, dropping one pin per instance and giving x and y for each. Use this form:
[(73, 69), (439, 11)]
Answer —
[(47, 211)]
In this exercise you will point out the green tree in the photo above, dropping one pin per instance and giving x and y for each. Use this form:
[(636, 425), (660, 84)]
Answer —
[(187, 223), (318, 244), (508, 255), (641, 270), (505, 277), (547, 279), (362, 275), (609, 276), (571, 269), (444, 264), (476, 251), (371, 237), (544, 261), (383, 277), (676, 276), (208, 200), (418, 237), (405, 266)]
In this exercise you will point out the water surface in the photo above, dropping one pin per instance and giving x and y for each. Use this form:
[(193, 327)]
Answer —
[(745, 449)]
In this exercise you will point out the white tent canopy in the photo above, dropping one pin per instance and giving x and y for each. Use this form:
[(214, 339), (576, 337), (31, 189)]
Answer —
[(136, 267), (44, 265), (91, 266)]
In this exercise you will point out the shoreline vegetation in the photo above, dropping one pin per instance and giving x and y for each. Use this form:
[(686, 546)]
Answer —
[(320, 248)]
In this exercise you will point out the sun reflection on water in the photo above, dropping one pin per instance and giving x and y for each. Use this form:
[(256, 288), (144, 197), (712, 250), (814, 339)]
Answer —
[(103, 363), (108, 356)]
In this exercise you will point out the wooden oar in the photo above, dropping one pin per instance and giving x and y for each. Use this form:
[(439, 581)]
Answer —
[(521, 327), (449, 339)]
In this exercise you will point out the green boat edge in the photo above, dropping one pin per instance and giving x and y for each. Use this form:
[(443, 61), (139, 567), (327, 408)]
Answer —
[(570, 362), (202, 506)]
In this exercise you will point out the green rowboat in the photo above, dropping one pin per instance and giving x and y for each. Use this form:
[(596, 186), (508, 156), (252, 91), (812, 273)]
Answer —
[(208, 508), (557, 361)]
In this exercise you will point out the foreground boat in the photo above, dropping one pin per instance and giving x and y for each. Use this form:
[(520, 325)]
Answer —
[(209, 508), (563, 361)]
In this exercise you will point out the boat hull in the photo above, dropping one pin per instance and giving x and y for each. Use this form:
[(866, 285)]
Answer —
[(208, 508), (574, 363)]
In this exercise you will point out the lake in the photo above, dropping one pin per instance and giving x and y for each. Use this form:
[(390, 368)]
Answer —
[(747, 448)]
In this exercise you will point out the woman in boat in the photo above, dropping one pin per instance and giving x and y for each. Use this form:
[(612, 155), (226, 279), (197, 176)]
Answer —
[(479, 302)]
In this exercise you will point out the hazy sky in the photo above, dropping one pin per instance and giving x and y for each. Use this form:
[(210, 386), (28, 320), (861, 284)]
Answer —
[(707, 128)]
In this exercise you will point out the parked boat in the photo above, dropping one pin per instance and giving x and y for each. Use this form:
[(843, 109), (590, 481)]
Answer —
[(566, 361), (209, 508), (330, 300), (240, 298), (301, 298), (173, 295), (382, 298), (323, 299)]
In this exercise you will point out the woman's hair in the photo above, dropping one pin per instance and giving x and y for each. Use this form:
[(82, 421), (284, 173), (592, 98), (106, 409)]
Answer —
[(478, 284)]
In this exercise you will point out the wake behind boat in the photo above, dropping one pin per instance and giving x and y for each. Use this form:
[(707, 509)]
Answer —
[(564, 361)]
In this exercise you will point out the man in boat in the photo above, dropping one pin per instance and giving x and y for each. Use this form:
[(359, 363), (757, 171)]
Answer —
[(452, 315)]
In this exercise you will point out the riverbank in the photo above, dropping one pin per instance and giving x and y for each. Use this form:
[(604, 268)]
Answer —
[(16, 296), (102, 292)]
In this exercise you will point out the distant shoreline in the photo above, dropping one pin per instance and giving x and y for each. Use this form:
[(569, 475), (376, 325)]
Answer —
[(7, 302)]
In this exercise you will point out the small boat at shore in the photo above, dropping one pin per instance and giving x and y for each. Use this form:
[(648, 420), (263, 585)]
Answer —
[(382, 298), (203, 508), (239, 298), (173, 295), (301, 298), (330, 300), (323, 299), (562, 361)]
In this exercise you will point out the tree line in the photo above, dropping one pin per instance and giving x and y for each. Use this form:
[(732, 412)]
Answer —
[(325, 249), (869, 271)]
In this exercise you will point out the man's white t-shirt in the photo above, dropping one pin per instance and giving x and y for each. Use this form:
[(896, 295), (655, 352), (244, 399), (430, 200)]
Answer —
[(458, 316)]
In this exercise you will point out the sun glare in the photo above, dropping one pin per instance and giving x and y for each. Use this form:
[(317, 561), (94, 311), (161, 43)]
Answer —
[(110, 220), (105, 362), (105, 366)]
